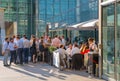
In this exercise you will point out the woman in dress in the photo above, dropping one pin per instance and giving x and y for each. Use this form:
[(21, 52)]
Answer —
[(34, 52)]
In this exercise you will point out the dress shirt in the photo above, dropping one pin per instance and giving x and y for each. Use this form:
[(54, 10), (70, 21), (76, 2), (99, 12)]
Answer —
[(62, 51), (15, 39), (5, 46), (56, 42), (69, 51), (75, 50), (26, 43), (11, 46), (19, 43), (63, 42), (22, 39)]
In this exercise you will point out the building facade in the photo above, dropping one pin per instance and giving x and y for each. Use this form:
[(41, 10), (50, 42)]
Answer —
[(110, 39), (32, 16), (19, 16), (88, 10), (65, 13), (56, 12)]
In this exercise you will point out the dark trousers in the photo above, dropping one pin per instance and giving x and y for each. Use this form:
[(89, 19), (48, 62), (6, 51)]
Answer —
[(20, 54), (26, 54), (77, 61), (13, 56)]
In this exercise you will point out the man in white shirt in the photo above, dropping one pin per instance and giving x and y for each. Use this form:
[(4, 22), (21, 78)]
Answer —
[(5, 50), (26, 46), (23, 38), (63, 54), (69, 49), (77, 60), (75, 50)]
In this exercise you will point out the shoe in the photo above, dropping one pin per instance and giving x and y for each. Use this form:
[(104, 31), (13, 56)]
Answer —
[(6, 65)]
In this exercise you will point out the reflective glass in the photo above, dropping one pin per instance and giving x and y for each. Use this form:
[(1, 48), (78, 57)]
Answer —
[(108, 39)]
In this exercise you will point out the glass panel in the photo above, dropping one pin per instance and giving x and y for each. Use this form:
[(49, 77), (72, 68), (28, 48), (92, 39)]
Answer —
[(108, 41), (118, 42), (108, 17), (108, 51), (19, 11)]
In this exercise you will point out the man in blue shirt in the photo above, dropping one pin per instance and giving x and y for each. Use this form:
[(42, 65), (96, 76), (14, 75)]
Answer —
[(19, 44), (26, 46), (12, 47), (5, 50)]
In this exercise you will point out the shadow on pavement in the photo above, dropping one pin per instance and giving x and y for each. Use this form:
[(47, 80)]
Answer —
[(26, 73), (33, 69), (44, 71)]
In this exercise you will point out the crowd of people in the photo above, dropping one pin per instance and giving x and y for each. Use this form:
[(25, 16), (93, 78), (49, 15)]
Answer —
[(20, 49)]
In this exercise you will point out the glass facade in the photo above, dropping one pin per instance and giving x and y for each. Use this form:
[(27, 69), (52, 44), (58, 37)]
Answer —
[(22, 12), (111, 40), (108, 40), (66, 12), (88, 10), (118, 41), (56, 11), (32, 16)]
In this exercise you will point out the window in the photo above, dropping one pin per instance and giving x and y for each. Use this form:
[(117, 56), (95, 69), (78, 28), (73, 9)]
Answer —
[(108, 40)]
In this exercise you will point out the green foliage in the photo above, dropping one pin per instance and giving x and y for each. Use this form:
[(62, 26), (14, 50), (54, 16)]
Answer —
[(52, 48)]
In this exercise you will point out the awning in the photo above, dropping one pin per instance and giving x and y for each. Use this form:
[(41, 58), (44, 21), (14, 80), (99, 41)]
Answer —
[(89, 25), (107, 2), (74, 27)]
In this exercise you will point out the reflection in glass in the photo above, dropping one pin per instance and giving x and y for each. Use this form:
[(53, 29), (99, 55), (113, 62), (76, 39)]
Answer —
[(118, 42), (108, 41)]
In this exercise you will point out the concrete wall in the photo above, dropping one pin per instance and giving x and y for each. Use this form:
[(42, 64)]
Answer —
[(2, 28)]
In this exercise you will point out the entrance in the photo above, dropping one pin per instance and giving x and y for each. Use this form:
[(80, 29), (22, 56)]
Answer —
[(10, 28)]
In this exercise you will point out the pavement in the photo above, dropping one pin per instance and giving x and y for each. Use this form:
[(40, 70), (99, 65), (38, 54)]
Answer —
[(41, 72)]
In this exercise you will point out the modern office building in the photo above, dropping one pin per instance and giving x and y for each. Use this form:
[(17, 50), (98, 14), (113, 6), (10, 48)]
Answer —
[(56, 12), (109, 17), (19, 16), (32, 16), (65, 13), (88, 10)]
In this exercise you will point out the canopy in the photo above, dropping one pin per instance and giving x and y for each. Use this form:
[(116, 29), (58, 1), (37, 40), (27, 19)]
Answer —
[(89, 25), (107, 2), (74, 27)]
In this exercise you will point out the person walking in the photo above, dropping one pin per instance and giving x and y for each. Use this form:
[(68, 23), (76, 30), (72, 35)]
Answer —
[(12, 47), (5, 52), (26, 46)]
